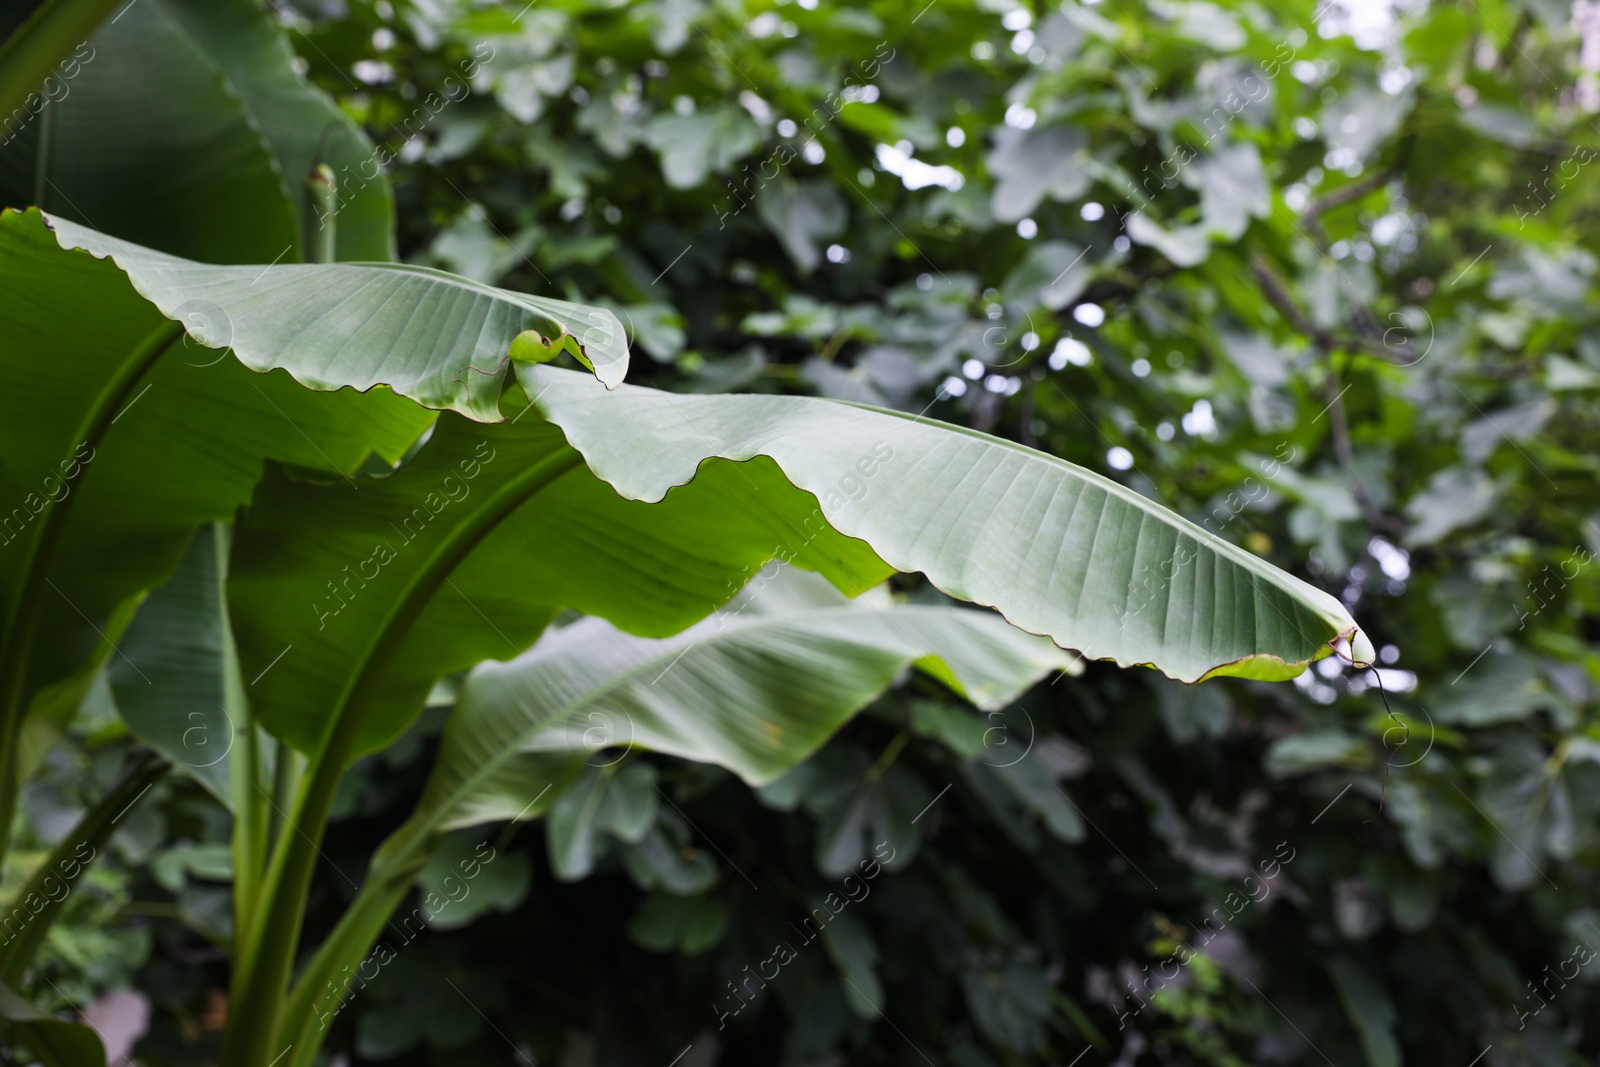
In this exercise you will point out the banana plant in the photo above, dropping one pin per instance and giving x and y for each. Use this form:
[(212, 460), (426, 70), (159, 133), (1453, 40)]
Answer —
[(350, 596), (122, 433), (156, 390), (183, 124), (542, 489), (103, 486), (757, 688)]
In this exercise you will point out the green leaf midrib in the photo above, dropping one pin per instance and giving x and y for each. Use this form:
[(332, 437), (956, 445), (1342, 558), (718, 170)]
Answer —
[(412, 835), (1280, 579), (397, 856), (443, 559), (443, 277), (91, 429), (16, 637), (267, 952)]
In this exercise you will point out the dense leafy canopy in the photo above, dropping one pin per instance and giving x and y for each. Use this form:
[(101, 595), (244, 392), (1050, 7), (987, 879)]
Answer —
[(1389, 204), (1320, 277)]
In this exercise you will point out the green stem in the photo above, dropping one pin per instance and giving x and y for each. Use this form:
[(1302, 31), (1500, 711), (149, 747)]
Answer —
[(267, 951), (322, 197), (285, 781), (22, 614), (90, 833), (317, 995), (49, 36), (250, 826), (245, 773)]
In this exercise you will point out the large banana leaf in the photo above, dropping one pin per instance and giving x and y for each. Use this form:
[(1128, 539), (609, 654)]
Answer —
[(475, 546), (1057, 549), (439, 339), (117, 439), (182, 124), (756, 688), (351, 599)]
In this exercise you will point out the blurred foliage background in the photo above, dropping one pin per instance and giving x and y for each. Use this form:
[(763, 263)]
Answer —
[(1319, 278)]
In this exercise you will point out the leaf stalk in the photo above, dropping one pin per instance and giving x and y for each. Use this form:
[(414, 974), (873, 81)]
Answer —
[(267, 950)]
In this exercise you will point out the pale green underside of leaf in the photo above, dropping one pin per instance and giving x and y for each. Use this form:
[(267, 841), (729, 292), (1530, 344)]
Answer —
[(185, 448), (438, 339), (1059, 550), (756, 688)]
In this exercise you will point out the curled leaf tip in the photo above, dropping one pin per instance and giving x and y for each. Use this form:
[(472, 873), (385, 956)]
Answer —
[(599, 347)]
